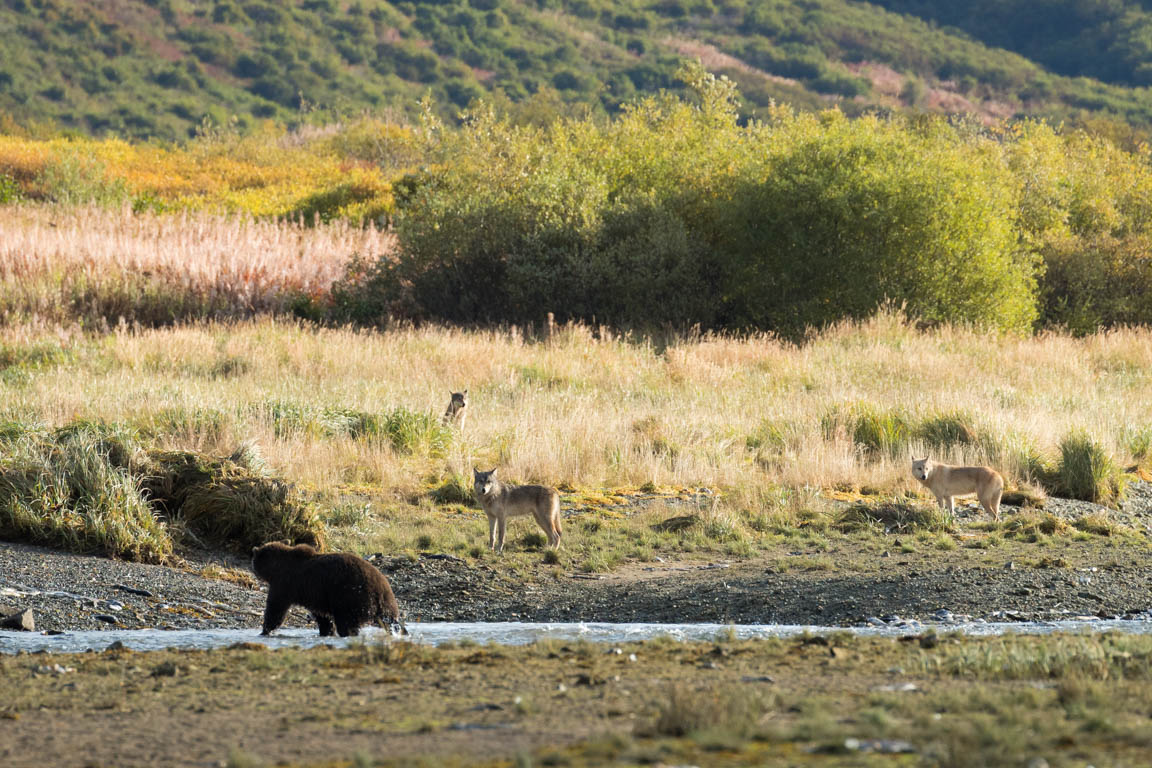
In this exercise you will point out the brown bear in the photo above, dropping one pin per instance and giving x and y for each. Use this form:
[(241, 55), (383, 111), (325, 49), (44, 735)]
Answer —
[(339, 588)]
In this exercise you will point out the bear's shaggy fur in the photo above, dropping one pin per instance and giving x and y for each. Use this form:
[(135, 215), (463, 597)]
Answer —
[(340, 588)]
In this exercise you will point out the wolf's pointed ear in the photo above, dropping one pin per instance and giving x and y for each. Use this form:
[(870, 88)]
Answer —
[(465, 392), (475, 472), (493, 472)]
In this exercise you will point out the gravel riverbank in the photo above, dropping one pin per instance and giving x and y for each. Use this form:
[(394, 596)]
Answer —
[(1087, 578)]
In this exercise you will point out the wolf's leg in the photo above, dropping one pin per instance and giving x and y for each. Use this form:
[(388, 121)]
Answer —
[(500, 525), (950, 505), (991, 502), (544, 520), (491, 532)]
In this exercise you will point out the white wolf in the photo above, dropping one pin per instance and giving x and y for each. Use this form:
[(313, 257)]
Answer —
[(946, 481)]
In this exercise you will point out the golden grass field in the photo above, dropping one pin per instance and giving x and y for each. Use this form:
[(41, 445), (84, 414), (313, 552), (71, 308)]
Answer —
[(592, 411)]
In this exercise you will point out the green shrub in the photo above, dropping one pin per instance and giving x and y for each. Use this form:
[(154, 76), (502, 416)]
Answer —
[(848, 214), (1097, 281), (10, 191), (783, 225), (76, 180), (1087, 472)]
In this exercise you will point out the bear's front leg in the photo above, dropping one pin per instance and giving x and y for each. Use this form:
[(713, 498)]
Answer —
[(275, 611)]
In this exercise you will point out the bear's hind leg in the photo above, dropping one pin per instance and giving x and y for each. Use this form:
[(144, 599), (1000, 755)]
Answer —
[(346, 627), (324, 623)]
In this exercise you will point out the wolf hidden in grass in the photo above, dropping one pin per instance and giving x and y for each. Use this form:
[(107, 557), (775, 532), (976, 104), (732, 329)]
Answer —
[(501, 502), (946, 481), (457, 410), (337, 589)]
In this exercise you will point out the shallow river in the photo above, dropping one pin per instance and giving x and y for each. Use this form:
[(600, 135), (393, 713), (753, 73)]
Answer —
[(514, 633)]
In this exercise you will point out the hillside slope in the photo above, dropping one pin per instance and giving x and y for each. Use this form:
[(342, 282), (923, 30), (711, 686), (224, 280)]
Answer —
[(158, 68)]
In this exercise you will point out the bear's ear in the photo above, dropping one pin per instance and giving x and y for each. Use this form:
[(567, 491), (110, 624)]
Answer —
[(286, 542), (254, 549)]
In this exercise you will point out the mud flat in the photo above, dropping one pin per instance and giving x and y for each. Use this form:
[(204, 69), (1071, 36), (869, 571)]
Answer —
[(831, 700)]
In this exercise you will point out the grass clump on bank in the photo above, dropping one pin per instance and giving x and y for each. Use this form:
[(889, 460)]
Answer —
[(893, 517), (75, 490), (90, 487), (224, 502), (1086, 471)]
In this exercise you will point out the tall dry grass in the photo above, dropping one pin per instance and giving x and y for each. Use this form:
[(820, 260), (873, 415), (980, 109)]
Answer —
[(65, 263), (737, 413)]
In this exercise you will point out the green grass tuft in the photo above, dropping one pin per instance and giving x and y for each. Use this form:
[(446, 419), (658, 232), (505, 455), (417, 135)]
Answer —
[(455, 490), (1087, 472), (894, 516), (947, 430), (876, 431)]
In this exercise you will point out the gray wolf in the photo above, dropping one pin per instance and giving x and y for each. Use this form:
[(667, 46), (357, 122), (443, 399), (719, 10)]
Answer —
[(946, 481), (456, 412), (339, 588), (501, 502)]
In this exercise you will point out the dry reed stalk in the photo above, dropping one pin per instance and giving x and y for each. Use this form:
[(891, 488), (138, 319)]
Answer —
[(254, 262)]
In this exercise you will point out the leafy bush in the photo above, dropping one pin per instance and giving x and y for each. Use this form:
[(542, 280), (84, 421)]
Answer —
[(782, 225), (849, 214)]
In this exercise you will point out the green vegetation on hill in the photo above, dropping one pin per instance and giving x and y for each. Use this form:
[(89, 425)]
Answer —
[(1106, 39), (158, 68), (797, 221)]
